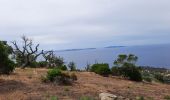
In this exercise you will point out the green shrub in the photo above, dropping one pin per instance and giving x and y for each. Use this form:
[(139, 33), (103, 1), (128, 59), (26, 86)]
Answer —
[(101, 69), (159, 77), (115, 71), (6, 65), (59, 77), (34, 64), (132, 72), (147, 79), (42, 64), (64, 67), (52, 73), (125, 66)]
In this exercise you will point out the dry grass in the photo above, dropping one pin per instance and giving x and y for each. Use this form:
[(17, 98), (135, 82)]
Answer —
[(26, 85)]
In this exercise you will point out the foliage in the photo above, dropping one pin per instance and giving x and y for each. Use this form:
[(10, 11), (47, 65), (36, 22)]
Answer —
[(159, 77), (6, 65), (101, 69), (132, 72), (42, 64), (156, 75), (115, 71), (34, 64), (59, 77), (64, 67), (72, 66), (147, 76), (125, 66), (52, 73)]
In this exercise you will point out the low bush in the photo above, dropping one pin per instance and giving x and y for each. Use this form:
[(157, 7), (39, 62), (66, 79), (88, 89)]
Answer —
[(101, 69), (52, 73), (34, 64), (8, 68), (42, 64), (159, 77), (6, 65), (132, 72), (64, 67), (115, 71), (125, 66), (147, 79), (59, 77), (147, 76)]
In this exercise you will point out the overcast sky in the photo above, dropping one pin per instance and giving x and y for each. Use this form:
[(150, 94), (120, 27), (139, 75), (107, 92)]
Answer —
[(64, 24)]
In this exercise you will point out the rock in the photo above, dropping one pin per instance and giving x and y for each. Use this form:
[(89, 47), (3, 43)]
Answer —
[(107, 96)]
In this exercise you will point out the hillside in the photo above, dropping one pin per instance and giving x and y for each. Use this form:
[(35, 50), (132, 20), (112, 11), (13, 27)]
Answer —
[(26, 85)]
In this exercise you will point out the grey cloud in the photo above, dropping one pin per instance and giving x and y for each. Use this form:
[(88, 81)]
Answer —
[(61, 24)]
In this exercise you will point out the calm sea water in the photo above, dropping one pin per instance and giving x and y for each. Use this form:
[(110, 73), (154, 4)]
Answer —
[(152, 55)]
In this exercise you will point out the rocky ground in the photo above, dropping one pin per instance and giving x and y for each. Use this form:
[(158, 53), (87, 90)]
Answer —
[(26, 85)]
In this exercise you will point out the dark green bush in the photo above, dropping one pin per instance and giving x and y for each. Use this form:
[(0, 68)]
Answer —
[(52, 73), (34, 64), (132, 72), (101, 69), (6, 65), (115, 71), (147, 79), (42, 64), (64, 67), (59, 77), (159, 77), (147, 76), (125, 66)]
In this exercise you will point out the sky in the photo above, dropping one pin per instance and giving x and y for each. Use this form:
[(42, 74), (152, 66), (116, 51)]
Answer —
[(66, 24)]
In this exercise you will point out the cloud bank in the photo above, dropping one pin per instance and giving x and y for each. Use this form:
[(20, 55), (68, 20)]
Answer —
[(63, 24)]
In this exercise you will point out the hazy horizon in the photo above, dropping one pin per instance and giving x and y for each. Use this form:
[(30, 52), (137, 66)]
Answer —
[(72, 24)]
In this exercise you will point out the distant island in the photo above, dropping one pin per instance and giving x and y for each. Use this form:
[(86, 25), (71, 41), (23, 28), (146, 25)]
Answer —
[(114, 46), (87, 48), (75, 49)]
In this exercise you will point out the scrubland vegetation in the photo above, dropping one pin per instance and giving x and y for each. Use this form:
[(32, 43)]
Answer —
[(54, 80)]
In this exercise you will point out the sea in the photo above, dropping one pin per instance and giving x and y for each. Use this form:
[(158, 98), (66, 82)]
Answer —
[(148, 55)]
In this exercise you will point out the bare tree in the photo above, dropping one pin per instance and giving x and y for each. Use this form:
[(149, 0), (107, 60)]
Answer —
[(52, 59), (27, 54)]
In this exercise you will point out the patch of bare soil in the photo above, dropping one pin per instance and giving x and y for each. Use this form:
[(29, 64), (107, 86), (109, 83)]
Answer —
[(26, 85)]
